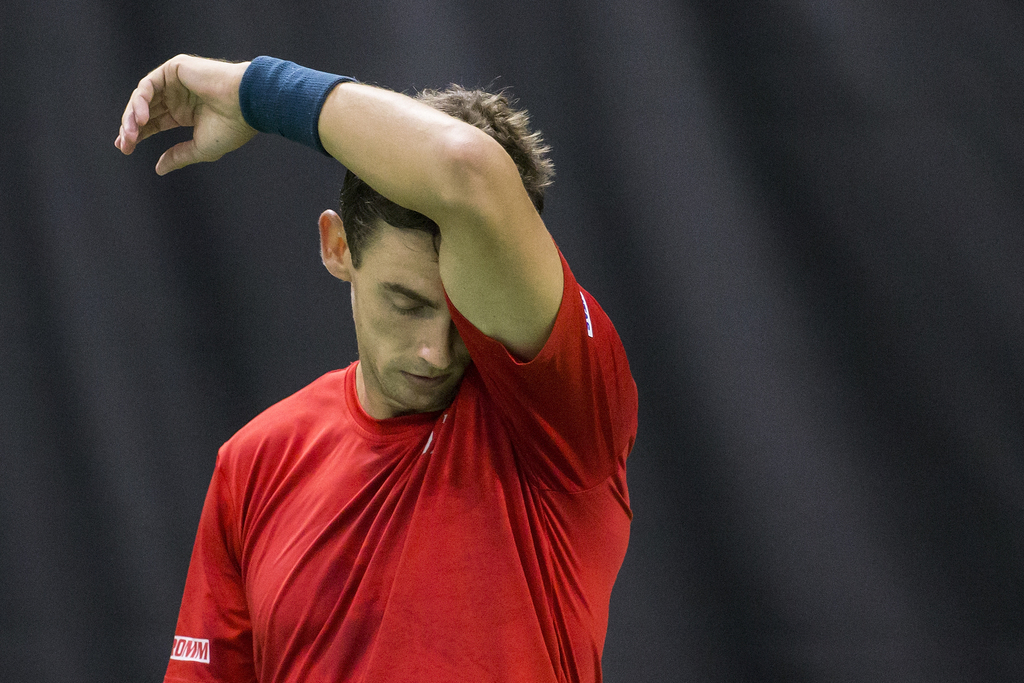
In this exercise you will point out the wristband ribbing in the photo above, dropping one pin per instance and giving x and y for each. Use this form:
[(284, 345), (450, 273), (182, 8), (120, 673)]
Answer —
[(284, 98)]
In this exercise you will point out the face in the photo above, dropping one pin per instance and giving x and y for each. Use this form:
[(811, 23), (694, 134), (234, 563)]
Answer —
[(411, 358)]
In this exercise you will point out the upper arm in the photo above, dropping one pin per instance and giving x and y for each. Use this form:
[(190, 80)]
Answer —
[(214, 606), (499, 265)]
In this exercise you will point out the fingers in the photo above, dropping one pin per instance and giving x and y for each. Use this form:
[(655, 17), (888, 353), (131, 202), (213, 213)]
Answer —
[(137, 113), (160, 120), (149, 93)]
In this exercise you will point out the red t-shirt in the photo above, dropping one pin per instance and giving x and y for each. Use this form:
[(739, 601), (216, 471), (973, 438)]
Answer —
[(479, 543)]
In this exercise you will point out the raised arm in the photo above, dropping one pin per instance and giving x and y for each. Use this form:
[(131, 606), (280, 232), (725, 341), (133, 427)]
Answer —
[(498, 263)]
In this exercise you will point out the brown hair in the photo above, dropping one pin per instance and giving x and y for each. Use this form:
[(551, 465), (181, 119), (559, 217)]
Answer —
[(362, 206)]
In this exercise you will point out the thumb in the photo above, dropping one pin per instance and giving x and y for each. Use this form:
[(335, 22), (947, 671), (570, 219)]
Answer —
[(178, 156)]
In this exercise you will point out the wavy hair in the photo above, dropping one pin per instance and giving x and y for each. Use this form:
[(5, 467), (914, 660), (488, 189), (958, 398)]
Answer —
[(362, 207)]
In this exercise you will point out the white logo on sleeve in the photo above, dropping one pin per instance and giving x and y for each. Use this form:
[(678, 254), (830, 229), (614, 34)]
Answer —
[(191, 650), (586, 312)]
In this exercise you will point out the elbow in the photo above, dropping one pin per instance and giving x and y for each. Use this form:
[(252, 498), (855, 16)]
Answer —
[(475, 168)]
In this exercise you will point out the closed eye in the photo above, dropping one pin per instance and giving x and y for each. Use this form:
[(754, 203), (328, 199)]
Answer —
[(413, 310), (406, 301)]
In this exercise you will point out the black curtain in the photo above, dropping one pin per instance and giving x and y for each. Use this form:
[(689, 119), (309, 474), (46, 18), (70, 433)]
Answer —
[(805, 218)]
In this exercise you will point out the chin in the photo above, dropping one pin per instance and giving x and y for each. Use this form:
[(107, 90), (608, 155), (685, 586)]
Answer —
[(406, 402), (439, 400), (432, 404)]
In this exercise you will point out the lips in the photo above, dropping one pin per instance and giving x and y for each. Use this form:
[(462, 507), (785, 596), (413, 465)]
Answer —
[(424, 381)]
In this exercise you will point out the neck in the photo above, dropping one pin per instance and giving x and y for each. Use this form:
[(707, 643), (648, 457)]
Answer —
[(361, 395)]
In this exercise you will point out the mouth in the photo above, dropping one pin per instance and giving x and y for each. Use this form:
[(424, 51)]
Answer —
[(424, 381)]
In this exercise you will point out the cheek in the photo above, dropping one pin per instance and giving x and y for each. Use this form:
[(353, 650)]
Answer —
[(391, 334), (371, 326)]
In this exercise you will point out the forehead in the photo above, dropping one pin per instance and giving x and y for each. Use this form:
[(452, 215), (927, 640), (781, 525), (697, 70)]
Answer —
[(402, 255)]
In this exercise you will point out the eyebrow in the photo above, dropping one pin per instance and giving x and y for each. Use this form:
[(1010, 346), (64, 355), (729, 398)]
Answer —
[(396, 288)]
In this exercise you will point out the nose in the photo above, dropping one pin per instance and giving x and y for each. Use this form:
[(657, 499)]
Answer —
[(440, 344)]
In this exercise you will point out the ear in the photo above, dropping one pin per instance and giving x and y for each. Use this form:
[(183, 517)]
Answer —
[(333, 247)]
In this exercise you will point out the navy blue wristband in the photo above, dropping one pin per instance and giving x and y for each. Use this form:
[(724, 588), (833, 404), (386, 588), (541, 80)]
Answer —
[(284, 98)]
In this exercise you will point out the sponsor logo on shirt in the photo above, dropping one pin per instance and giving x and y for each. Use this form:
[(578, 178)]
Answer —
[(586, 312), (191, 650)]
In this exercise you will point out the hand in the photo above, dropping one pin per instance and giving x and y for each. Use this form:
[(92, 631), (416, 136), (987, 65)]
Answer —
[(187, 91)]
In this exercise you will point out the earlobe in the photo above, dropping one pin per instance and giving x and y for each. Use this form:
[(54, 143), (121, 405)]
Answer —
[(333, 247)]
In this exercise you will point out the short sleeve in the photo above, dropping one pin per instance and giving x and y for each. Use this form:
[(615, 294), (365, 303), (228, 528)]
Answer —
[(213, 637), (573, 408)]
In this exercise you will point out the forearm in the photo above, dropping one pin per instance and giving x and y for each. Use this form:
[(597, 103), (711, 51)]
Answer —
[(413, 154)]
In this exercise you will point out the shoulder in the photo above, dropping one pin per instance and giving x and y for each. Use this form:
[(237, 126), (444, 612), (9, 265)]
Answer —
[(292, 420)]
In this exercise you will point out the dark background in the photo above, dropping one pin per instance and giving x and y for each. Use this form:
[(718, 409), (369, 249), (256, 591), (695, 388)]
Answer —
[(806, 219)]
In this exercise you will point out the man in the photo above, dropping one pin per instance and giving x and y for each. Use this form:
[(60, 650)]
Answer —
[(452, 506)]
